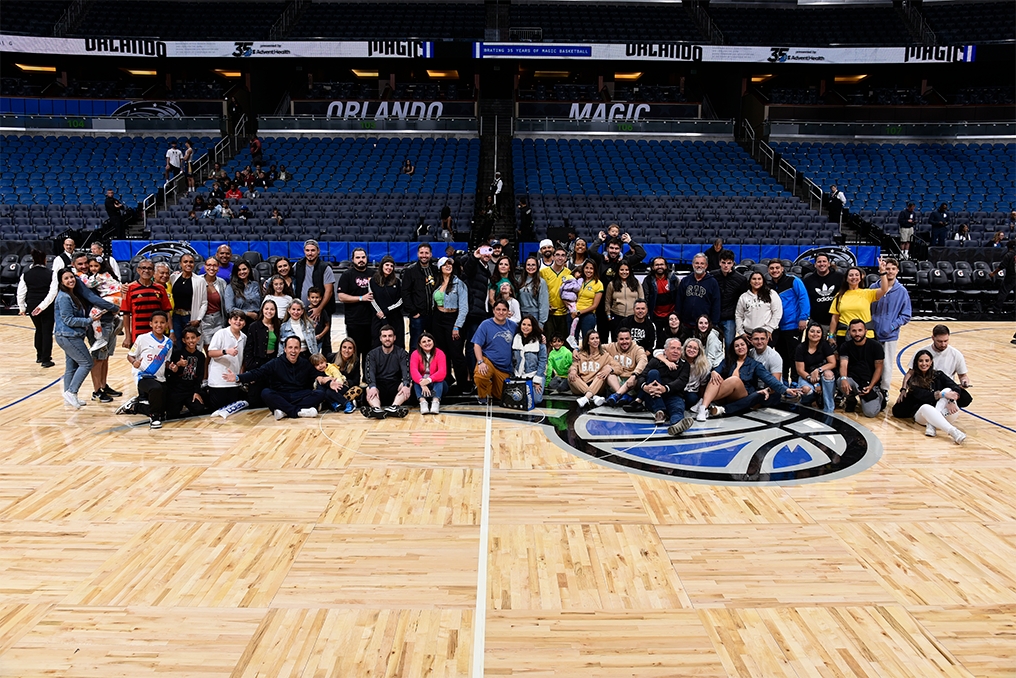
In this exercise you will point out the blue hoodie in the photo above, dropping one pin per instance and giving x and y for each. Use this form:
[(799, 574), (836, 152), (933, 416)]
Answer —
[(891, 312), (796, 304)]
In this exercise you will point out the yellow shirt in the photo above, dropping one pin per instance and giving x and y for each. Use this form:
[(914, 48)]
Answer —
[(554, 281), (855, 304), (334, 372), (587, 293)]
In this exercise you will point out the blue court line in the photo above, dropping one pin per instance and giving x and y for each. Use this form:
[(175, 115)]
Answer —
[(19, 400), (899, 364)]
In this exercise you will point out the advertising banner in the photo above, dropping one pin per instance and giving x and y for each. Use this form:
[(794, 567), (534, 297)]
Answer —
[(386, 110), (608, 112)]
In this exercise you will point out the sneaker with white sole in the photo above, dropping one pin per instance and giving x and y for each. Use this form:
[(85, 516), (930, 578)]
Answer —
[(155, 421), (957, 435), (435, 406), (279, 414), (583, 401), (681, 426), (929, 431), (99, 344), (599, 400), (702, 415), (72, 400), (424, 407), (307, 413), (128, 407)]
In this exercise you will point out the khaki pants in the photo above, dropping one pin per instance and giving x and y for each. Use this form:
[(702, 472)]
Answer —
[(580, 386), (492, 383)]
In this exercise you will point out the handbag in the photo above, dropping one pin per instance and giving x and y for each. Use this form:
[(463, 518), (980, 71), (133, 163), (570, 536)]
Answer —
[(517, 394)]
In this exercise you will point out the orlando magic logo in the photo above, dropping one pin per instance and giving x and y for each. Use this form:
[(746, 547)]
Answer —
[(773, 446)]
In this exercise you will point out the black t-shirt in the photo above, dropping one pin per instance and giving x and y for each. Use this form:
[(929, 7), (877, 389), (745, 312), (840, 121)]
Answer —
[(1008, 264), (446, 212), (357, 283), (187, 378), (813, 361), (183, 292), (861, 359), (642, 333), (821, 291)]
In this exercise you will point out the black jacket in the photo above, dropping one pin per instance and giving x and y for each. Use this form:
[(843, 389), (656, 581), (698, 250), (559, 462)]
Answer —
[(912, 400), (675, 380), (608, 268), (418, 289), (281, 375), (318, 278), (650, 295), (255, 352), (476, 275)]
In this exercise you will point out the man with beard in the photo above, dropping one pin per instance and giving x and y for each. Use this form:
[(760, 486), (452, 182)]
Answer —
[(732, 286), (796, 309), (356, 297), (659, 289), (608, 271), (418, 293), (643, 331), (697, 295), (311, 272), (388, 379), (822, 286)]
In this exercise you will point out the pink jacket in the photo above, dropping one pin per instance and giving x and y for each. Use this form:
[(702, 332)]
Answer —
[(438, 366)]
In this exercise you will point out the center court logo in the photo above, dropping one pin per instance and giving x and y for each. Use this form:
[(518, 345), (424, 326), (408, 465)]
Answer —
[(773, 446)]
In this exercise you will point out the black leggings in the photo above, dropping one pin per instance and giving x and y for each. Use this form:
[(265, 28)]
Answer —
[(155, 392)]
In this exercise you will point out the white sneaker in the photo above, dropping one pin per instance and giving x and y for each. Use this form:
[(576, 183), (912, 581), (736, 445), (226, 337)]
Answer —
[(99, 344), (957, 435), (599, 400), (279, 414), (81, 403), (424, 408), (307, 413), (573, 342), (583, 401), (72, 400), (435, 406), (697, 407), (702, 415), (929, 431)]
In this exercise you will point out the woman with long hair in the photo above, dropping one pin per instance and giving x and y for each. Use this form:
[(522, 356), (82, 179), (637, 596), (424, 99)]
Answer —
[(300, 326), (672, 330), (711, 338), (815, 364), (622, 293), (589, 370), (347, 359), (733, 383), (263, 337), (283, 268), (387, 290), (281, 294), (428, 367), (854, 301), (529, 355), (71, 317), (590, 296), (931, 398), (534, 297), (699, 370), (504, 272), (243, 293), (581, 254), (758, 307), (451, 304)]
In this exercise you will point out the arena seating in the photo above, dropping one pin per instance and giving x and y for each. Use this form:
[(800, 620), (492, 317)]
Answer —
[(375, 21), (977, 180), (962, 23), (31, 17), (661, 191), (226, 20), (588, 22), (810, 26)]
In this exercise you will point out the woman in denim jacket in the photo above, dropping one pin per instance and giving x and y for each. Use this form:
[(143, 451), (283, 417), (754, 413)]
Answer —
[(72, 321), (529, 355), (243, 292), (299, 325), (451, 304), (734, 383)]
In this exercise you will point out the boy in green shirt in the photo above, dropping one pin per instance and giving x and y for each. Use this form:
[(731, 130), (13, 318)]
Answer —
[(558, 363)]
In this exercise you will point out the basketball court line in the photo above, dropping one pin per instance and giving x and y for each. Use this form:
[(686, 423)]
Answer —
[(480, 614)]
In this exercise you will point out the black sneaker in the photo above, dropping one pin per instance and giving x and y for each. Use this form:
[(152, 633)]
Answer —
[(156, 421), (851, 404), (101, 396), (372, 413), (635, 406), (395, 411), (128, 407), (50, 363), (111, 392)]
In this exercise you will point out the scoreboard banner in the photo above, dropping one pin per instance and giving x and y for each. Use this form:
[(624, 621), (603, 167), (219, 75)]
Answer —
[(150, 47), (683, 51)]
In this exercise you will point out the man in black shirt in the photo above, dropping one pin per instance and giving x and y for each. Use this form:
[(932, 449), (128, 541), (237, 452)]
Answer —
[(114, 210), (822, 286), (387, 378), (1008, 266), (661, 388), (418, 293), (732, 286), (861, 362), (477, 269), (291, 380), (907, 221), (643, 331), (526, 231), (939, 225), (355, 294)]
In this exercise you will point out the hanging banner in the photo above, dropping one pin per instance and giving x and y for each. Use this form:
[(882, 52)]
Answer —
[(617, 111), (145, 47), (386, 110), (679, 51)]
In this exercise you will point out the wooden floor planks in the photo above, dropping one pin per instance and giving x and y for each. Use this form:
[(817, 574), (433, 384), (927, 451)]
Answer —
[(348, 547)]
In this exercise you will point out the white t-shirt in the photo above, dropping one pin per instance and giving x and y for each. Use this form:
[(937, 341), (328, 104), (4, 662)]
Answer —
[(949, 362), (174, 156), (281, 305), (770, 359), (153, 355), (217, 367)]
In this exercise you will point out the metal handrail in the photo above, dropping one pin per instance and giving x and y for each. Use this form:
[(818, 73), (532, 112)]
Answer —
[(70, 17), (285, 22), (919, 23)]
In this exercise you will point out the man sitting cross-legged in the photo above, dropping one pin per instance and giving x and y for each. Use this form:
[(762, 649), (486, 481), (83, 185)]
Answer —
[(388, 378)]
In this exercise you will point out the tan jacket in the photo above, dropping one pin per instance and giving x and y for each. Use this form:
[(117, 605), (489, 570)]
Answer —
[(628, 364), (585, 366), (620, 303)]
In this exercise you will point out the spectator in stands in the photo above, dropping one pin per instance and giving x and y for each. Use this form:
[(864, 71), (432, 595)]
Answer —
[(215, 314), (758, 307), (174, 160), (447, 233), (388, 378), (529, 355), (659, 289), (815, 364), (284, 174), (496, 187), (312, 272), (386, 292), (713, 254), (407, 168), (185, 371), (291, 380), (733, 383), (35, 292), (256, 152), (732, 285), (218, 174), (630, 361), (534, 299), (243, 292), (837, 203), (547, 253), (71, 321), (558, 319), (234, 193), (621, 294), (477, 270), (492, 352), (225, 211), (796, 310), (526, 231), (99, 252), (889, 314), (300, 325), (356, 297), (948, 359), (822, 286), (711, 339), (998, 240), (141, 298), (418, 281), (962, 233), (698, 294), (931, 398), (450, 299), (861, 364), (148, 356), (277, 217), (216, 194), (188, 164), (225, 350), (853, 301), (591, 365), (1007, 266), (65, 259), (907, 221), (939, 221), (428, 367), (662, 388)]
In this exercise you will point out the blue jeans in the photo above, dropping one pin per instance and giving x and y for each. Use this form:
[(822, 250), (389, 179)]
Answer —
[(729, 327), (417, 326), (78, 362), (587, 323), (828, 393), (671, 403), (180, 323), (437, 388)]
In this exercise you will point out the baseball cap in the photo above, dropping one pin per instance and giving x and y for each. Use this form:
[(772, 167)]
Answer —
[(546, 242), (442, 261)]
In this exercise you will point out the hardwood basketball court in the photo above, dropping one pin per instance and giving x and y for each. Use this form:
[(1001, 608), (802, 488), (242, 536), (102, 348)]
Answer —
[(347, 547)]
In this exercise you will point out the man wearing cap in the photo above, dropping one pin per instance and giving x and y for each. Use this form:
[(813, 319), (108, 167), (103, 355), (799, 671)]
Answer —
[(546, 253), (477, 268), (321, 276)]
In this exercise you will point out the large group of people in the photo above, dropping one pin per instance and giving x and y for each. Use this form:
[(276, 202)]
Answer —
[(215, 339)]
